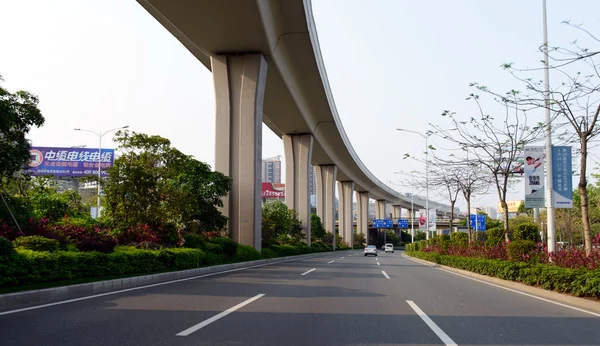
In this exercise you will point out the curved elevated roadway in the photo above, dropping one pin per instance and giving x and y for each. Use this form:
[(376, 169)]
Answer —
[(298, 98)]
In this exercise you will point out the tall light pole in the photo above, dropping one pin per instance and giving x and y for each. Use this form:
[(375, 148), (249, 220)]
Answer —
[(549, 208), (100, 134), (426, 169), (426, 177)]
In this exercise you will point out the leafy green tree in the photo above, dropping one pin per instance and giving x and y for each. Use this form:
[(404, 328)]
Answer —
[(19, 112), (518, 220), (47, 203), (316, 228), (359, 239), (420, 235), (279, 224), (156, 184), (522, 209)]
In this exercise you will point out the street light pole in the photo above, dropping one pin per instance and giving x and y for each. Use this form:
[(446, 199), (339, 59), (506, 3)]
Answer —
[(549, 173), (100, 135), (426, 179), (412, 214), (427, 185)]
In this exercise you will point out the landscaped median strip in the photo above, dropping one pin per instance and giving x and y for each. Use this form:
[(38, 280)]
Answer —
[(22, 301), (205, 323)]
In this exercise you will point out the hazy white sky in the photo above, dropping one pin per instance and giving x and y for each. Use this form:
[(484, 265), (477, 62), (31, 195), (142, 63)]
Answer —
[(391, 63)]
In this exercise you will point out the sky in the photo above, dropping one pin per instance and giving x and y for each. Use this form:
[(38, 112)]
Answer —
[(100, 65)]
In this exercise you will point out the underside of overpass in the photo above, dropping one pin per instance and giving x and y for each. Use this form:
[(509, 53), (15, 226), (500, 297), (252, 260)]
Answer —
[(267, 68)]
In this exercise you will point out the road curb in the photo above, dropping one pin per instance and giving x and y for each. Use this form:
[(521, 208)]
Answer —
[(581, 303), (19, 300)]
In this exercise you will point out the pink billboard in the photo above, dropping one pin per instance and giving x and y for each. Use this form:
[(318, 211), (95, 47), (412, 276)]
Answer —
[(273, 190)]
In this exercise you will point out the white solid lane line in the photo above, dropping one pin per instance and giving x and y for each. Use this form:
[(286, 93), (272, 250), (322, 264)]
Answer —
[(385, 274), (308, 271), (142, 287), (331, 261), (437, 330), (505, 288), (205, 323)]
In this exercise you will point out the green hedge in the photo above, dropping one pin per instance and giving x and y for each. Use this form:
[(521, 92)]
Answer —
[(578, 282), (23, 266), (28, 266), (246, 253), (37, 243), (6, 247)]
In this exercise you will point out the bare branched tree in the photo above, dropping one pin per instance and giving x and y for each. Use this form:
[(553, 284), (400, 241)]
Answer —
[(573, 100), (446, 178), (493, 145)]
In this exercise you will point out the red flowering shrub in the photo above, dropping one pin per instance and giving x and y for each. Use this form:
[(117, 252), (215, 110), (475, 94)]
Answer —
[(9, 232), (565, 257), (141, 233)]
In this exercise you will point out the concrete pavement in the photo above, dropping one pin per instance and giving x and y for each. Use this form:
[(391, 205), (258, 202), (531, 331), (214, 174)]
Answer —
[(335, 299)]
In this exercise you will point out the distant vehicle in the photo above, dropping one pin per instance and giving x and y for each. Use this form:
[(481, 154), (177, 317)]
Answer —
[(389, 247), (371, 250)]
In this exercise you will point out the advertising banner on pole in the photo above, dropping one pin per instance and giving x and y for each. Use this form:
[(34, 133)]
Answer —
[(432, 220), (534, 177), (69, 162), (423, 219), (562, 177)]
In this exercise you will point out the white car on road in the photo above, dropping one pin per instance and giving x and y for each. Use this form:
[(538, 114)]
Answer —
[(389, 247)]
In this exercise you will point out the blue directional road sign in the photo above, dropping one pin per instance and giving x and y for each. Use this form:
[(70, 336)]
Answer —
[(383, 223), (402, 223), (480, 222)]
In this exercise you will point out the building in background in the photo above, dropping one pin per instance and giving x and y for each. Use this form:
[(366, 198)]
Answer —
[(490, 211), (513, 208), (271, 170)]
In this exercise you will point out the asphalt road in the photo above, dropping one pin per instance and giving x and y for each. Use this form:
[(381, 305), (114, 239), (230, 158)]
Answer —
[(354, 300)]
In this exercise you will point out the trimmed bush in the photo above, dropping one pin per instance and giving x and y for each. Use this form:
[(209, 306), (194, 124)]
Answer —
[(98, 243), (459, 239), (6, 247), (517, 248), (246, 253), (213, 248), (36, 243), (268, 253), (228, 245), (526, 231), (194, 241), (495, 232), (285, 250)]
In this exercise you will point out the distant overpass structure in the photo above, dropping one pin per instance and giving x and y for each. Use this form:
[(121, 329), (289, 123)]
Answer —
[(267, 68)]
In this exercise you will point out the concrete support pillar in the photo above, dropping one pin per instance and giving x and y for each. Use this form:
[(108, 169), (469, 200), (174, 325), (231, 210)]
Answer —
[(380, 214), (380, 211), (345, 212), (396, 212), (326, 176), (396, 215), (239, 82), (362, 220), (298, 152)]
